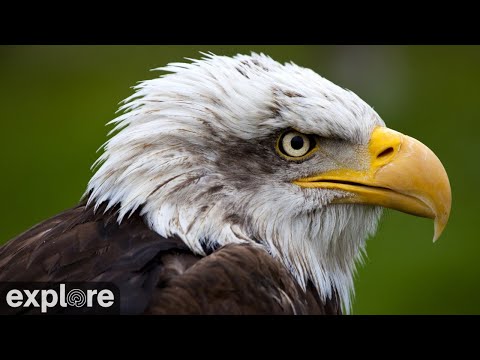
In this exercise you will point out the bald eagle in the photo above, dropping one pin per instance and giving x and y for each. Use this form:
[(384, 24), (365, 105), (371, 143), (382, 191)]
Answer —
[(234, 185)]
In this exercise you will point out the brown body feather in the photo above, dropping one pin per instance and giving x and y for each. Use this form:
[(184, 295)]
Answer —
[(155, 275)]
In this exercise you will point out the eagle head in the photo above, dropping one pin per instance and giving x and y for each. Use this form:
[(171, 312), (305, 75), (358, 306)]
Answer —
[(244, 149)]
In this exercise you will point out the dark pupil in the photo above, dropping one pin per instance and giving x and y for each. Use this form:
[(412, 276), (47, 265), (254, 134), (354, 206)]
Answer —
[(297, 142)]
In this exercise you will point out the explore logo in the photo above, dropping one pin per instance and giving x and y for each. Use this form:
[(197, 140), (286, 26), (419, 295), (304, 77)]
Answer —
[(59, 298)]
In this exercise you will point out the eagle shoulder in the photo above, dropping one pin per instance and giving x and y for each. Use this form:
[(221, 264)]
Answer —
[(155, 275), (238, 279)]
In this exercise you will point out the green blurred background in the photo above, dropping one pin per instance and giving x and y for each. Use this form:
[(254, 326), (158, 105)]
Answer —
[(55, 101)]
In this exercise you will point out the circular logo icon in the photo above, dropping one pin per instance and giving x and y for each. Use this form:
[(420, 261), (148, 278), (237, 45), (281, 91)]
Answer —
[(76, 297)]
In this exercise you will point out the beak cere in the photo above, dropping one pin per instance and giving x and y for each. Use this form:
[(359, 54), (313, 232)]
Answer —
[(403, 174)]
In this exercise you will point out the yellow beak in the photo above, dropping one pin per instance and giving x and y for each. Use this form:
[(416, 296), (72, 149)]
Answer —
[(403, 174)]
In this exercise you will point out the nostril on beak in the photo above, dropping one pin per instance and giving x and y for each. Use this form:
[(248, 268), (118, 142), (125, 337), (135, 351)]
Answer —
[(385, 152)]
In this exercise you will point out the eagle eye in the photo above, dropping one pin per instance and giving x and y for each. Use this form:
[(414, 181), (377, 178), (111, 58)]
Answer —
[(295, 145)]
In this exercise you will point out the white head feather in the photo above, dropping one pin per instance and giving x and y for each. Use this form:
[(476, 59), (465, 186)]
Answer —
[(193, 151)]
